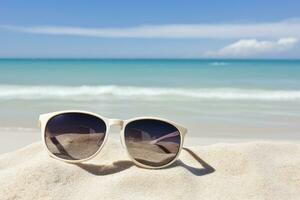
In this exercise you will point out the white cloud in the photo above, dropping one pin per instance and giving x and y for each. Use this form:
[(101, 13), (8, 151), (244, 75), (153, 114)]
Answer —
[(251, 47), (287, 28)]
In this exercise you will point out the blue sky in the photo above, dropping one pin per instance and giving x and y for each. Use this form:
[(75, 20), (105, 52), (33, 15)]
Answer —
[(150, 29)]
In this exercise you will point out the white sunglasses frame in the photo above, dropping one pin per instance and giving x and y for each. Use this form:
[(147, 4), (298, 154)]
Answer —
[(44, 118)]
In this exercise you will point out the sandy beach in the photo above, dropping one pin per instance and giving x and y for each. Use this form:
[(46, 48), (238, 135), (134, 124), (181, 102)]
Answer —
[(243, 138), (251, 170)]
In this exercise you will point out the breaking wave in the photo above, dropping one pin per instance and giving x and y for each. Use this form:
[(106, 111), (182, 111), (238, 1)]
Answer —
[(132, 92)]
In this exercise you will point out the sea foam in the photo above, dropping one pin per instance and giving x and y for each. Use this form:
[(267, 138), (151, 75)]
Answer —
[(132, 92)]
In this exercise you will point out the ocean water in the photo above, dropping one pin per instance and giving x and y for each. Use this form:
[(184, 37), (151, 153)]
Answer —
[(213, 98)]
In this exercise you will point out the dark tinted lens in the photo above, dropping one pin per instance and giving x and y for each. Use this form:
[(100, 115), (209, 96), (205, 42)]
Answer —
[(74, 136), (152, 142)]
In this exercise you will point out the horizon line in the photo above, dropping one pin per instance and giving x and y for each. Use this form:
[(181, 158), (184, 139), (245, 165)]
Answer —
[(138, 58)]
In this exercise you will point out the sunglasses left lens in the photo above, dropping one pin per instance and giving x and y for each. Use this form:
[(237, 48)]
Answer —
[(74, 136), (152, 142)]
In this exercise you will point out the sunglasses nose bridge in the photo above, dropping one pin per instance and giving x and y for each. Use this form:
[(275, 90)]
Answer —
[(117, 122)]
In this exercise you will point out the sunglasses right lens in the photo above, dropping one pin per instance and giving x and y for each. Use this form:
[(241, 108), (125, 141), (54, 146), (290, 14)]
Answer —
[(152, 142), (74, 136)]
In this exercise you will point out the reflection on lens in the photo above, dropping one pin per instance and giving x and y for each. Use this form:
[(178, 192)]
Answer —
[(74, 136), (152, 142)]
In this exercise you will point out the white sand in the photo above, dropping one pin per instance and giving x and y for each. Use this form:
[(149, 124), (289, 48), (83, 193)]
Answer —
[(256, 170), (12, 140)]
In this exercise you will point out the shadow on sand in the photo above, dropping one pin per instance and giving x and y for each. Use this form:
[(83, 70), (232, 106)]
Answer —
[(118, 166)]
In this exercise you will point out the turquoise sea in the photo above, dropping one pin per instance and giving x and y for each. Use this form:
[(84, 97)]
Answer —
[(215, 98), (197, 74)]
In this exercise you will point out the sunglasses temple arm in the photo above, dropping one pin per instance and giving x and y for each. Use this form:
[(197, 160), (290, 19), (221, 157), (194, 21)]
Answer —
[(170, 135), (59, 146)]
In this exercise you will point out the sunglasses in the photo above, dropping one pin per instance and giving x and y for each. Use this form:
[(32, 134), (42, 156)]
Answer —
[(76, 136)]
